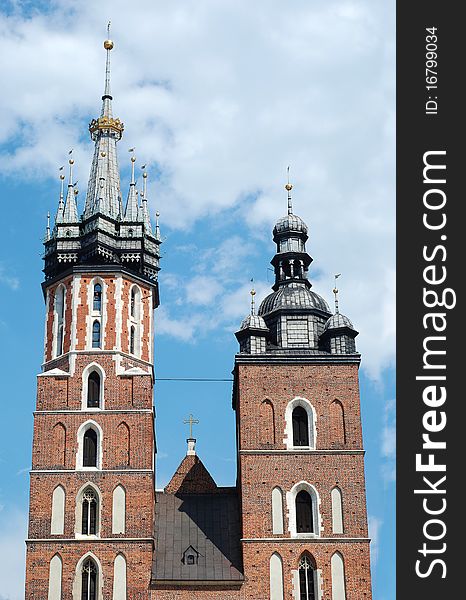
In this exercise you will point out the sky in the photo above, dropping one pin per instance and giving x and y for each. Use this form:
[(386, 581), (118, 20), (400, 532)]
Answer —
[(218, 98)]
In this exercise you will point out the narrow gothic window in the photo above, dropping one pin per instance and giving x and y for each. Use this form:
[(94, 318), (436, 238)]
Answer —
[(60, 313), (306, 579), (60, 340), (304, 520), (133, 301), (96, 334), (90, 449), (89, 512), (300, 427), (93, 390), (97, 302), (131, 340), (89, 581)]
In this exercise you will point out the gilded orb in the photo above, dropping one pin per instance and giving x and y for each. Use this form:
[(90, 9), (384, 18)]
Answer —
[(288, 187), (108, 44), (144, 175)]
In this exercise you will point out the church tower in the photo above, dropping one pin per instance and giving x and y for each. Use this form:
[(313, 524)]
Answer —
[(92, 479), (300, 451)]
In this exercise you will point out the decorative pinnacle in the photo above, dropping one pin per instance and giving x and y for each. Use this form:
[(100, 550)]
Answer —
[(108, 45), (288, 188), (133, 160), (47, 229), (335, 291)]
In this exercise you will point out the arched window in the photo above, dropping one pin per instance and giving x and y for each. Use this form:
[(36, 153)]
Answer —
[(89, 580), (307, 584), (131, 339), (337, 511), (133, 302), (119, 510), (338, 577), (304, 516), (96, 334), (59, 319), (300, 427), (337, 423), (57, 521), (89, 523), (276, 577), (90, 448), (119, 578), (267, 428), (59, 445), (93, 390), (55, 577), (277, 511), (97, 298)]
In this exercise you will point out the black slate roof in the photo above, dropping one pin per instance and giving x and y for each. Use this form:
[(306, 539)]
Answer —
[(209, 524)]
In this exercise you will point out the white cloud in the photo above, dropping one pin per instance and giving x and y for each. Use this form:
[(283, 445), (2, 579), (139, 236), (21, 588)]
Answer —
[(219, 98), (7, 279), (374, 525)]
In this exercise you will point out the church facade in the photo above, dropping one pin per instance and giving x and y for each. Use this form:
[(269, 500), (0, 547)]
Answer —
[(293, 527)]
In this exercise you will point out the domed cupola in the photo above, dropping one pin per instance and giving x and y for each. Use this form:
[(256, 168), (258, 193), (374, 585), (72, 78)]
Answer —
[(253, 332), (339, 334)]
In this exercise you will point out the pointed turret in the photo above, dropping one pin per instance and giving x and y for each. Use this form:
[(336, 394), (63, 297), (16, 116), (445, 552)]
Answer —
[(70, 213), (61, 203), (145, 217), (132, 208)]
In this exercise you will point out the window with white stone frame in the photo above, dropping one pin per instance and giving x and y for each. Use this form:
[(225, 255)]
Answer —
[(303, 506), (96, 318), (88, 578), (300, 425), (59, 320), (89, 454), (93, 380), (134, 321)]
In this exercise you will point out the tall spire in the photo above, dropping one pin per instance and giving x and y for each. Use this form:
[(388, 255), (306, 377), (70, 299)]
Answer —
[(103, 192), (145, 217), (70, 213)]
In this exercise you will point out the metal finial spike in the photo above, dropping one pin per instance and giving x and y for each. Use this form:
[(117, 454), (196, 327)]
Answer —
[(47, 229), (70, 180), (288, 188), (253, 293), (144, 191), (335, 291), (133, 160)]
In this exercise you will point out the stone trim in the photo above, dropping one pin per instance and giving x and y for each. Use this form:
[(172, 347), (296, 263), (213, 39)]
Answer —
[(295, 451), (306, 540)]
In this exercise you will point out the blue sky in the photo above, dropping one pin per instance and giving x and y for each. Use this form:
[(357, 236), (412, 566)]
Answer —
[(218, 100)]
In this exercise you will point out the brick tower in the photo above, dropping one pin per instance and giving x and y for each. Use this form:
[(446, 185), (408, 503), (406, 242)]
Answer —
[(300, 452), (92, 480)]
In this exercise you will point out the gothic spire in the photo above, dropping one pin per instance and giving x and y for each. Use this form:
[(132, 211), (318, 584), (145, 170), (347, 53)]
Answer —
[(145, 217), (103, 192), (61, 203), (70, 213)]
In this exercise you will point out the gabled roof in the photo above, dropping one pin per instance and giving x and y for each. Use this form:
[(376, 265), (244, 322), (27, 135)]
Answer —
[(210, 524)]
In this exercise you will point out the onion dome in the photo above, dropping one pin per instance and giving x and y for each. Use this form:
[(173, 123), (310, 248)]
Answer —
[(293, 295)]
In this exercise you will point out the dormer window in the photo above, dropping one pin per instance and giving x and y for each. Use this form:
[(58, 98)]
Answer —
[(190, 556)]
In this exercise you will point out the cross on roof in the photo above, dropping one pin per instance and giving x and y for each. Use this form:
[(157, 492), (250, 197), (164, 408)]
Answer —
[(191, 422)]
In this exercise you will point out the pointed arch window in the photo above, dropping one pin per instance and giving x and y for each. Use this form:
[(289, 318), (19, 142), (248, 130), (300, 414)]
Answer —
[(97, 298), (306, 579), (89, 579), (96, 334), (133, 302), (131, 339), (300, 427), (304, 516), (59, 319), (93, 390), (90, 448), (89, 512)]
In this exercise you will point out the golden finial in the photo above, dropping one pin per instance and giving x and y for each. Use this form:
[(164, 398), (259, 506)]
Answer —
[(288, 188), (108, 44), (335, 291)]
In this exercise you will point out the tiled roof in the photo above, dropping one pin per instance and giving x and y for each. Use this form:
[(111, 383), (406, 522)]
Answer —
[(209, 524)]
